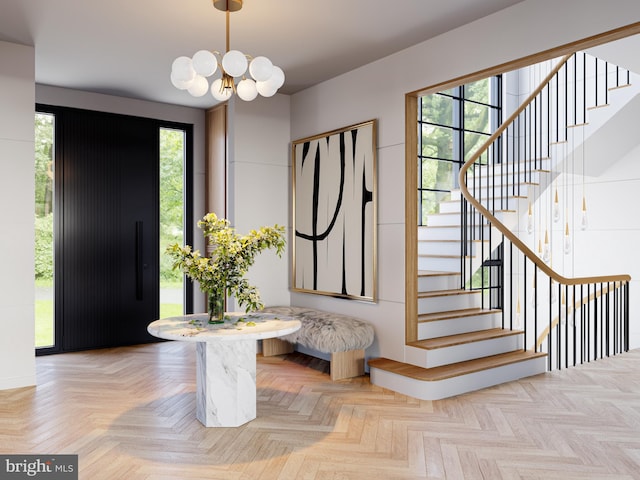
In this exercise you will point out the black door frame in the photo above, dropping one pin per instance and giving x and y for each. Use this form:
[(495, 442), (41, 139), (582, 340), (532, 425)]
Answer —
[(58, 189)]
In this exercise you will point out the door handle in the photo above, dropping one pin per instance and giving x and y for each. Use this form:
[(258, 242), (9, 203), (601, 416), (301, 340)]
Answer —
[(139, 260)]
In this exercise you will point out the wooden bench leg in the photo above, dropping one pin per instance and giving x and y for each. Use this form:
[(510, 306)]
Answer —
[(347, 364), (275, 346)]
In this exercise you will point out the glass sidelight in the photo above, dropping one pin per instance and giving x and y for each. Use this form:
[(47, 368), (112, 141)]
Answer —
[(44, 233), (172, 164)]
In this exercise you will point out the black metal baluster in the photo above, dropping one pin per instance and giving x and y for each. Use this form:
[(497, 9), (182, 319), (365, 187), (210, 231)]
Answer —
[(588, 356), (575, 321), (595, 322), (535, 304), (582, 325), (524, 258), (511, 280), (606, 83)]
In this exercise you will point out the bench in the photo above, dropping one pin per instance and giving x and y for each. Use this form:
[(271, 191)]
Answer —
[(342, 337)]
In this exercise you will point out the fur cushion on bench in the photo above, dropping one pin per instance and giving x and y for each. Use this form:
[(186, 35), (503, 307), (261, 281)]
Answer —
[(326, 332)]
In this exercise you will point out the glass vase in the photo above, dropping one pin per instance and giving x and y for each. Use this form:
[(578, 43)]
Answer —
[(215, 306)]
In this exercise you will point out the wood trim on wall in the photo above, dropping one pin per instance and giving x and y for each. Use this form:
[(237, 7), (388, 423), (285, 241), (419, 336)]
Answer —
[(411, 223), (216, 161), (411, 146)]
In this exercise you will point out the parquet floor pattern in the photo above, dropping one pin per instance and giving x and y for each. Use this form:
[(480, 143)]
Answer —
[(129, 413)]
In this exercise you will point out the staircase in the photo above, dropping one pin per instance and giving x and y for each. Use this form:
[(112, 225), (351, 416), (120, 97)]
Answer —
[(461, 346), (464, 342)]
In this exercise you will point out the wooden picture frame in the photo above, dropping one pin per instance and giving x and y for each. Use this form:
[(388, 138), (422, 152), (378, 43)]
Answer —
[(335, 213)]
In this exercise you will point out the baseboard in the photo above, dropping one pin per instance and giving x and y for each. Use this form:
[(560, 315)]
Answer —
[(18, 382)]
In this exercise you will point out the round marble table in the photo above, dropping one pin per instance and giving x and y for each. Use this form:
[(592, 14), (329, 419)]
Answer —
[(225, 361)]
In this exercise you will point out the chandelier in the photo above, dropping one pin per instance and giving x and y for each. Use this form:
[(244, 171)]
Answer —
[(191, 74)]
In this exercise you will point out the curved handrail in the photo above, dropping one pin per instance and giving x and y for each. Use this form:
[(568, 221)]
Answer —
[(530, 254)]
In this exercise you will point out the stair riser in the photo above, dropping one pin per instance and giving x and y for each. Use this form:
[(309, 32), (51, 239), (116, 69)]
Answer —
[(449, 233), (440, 264), (450, 387), (453, 219), (443, 219), (444, 248), (485, 191), (455, 326), (446, 303), (446, 264), (450, 207), (509, 178), (460, 353), (508, 202), (433, 283), (540, 164)]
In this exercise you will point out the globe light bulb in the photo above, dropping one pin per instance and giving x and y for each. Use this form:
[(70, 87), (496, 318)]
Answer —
[(181, 84), (234, 63), (199, 87), (247, 90), (266, 89), (277, 77), (261, 69), (204, 63), (220, 93), (182, 69)]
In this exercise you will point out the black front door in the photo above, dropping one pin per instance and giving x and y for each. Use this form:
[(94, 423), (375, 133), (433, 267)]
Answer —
[(106, 286)]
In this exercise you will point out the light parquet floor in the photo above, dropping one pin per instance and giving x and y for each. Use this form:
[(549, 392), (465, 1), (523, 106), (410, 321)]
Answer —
[(129, 413)]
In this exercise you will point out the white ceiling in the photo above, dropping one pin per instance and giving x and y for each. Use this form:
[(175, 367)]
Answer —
[(126, 47)]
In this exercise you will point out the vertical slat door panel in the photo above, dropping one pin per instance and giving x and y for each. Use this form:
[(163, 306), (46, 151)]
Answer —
[(106, 292)]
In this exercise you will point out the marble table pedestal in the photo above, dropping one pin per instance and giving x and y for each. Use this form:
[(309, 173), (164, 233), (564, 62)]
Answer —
[(226, 383), (225, 360)]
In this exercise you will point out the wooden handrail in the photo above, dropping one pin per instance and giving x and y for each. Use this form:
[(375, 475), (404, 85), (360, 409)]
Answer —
[(499, 225)]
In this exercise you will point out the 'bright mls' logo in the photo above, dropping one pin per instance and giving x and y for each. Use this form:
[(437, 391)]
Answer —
[(58, 467)]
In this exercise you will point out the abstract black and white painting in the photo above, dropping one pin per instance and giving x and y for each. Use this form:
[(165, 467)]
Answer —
[(334, 213)]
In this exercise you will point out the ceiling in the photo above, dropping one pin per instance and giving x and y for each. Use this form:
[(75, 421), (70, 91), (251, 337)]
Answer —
[(126, 47)]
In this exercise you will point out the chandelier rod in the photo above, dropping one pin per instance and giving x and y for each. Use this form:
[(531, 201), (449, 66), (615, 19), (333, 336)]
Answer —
[(227, 30)]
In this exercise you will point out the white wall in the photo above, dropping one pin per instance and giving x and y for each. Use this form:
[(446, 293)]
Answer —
[(18, 96), (259, 184), (17, 206), (377, 91)]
